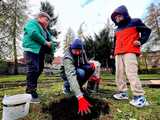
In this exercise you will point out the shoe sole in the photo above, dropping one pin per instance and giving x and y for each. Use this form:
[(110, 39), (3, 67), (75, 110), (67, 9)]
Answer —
[(120, 98), (145, 105), (35, 102)]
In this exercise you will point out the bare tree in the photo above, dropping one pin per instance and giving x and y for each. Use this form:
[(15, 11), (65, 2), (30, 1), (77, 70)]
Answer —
[(13, 16), (80, 31), (153, 21), (69, 37)]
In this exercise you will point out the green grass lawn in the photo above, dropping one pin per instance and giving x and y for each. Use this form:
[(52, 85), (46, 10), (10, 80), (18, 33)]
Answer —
[(104, 75), (7, 78), (142, 76), (120, 110)]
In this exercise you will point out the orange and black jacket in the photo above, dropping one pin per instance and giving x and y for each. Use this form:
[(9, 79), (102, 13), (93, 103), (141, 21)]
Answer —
[(128, 31)]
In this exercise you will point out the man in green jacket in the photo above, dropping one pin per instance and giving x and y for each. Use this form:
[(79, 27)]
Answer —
[(36, 42)]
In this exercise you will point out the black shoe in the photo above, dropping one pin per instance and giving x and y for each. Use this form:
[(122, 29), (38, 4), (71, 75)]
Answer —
[(35, 100), (34, 94)]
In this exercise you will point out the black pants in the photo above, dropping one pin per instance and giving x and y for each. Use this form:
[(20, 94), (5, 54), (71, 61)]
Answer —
[(35, 65)]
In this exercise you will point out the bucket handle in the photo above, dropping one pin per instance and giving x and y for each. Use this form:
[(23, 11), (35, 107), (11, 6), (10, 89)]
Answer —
[(14, 105)]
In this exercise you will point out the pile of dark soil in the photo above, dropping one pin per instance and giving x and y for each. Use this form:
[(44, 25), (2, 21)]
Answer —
[(67, 109)]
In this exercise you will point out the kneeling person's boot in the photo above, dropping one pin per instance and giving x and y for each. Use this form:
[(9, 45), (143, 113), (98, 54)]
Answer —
[(91, 86)]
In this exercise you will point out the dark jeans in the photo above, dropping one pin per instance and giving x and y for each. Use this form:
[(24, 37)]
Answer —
[(83, 74), (35, 65), (112, 65)]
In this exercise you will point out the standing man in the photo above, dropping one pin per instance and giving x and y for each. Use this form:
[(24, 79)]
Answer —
[(36, 42), (130, 35), (75, 72)]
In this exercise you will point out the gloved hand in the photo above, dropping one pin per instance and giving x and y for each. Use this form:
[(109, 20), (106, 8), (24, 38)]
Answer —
[(95, 78), (83, 105), (92, 66)]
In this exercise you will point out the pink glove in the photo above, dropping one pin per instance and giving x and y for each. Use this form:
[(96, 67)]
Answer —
[(83, 105)]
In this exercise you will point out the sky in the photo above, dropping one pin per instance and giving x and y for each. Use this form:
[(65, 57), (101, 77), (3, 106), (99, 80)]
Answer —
[(93, 13)]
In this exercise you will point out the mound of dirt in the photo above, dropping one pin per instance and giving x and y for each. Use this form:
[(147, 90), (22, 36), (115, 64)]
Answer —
[(67, 109)]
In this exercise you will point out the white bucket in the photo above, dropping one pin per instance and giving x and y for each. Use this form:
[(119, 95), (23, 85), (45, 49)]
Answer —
[(16, 106)]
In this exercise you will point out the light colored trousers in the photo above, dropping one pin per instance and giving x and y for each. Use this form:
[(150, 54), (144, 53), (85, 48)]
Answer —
[(127, 66)]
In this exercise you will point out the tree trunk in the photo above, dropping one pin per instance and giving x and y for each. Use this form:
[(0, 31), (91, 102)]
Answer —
[(145, 61), (14, 39)]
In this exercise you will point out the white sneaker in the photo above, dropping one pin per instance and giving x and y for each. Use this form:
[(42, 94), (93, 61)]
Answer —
[(121, 96), (139, 101)]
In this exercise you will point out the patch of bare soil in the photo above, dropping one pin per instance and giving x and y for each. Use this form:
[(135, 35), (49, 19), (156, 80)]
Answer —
[(67, 109)]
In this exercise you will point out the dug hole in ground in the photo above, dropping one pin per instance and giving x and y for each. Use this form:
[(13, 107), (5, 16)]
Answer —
[(67, 109)]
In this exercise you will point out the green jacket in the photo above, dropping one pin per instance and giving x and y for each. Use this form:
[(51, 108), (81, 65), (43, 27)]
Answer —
[(34, 36)]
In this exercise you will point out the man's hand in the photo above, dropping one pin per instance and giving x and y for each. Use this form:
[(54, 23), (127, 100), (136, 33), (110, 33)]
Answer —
[(49, 44), (137, 43), (83, 106), (57, 44)]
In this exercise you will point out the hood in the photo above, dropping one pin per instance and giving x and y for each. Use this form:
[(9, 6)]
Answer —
[(77, 44), (122, 10)]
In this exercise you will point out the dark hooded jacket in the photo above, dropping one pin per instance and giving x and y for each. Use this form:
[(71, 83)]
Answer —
[(128, 31)]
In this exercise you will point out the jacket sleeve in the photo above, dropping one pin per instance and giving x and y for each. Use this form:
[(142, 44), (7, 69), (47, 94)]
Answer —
[(32, 30), (53, 47), (71, 76), (143, 30), (54, 44)]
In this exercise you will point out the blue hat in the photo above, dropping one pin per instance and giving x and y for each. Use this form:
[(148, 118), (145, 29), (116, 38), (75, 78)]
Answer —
[(77, 44)]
